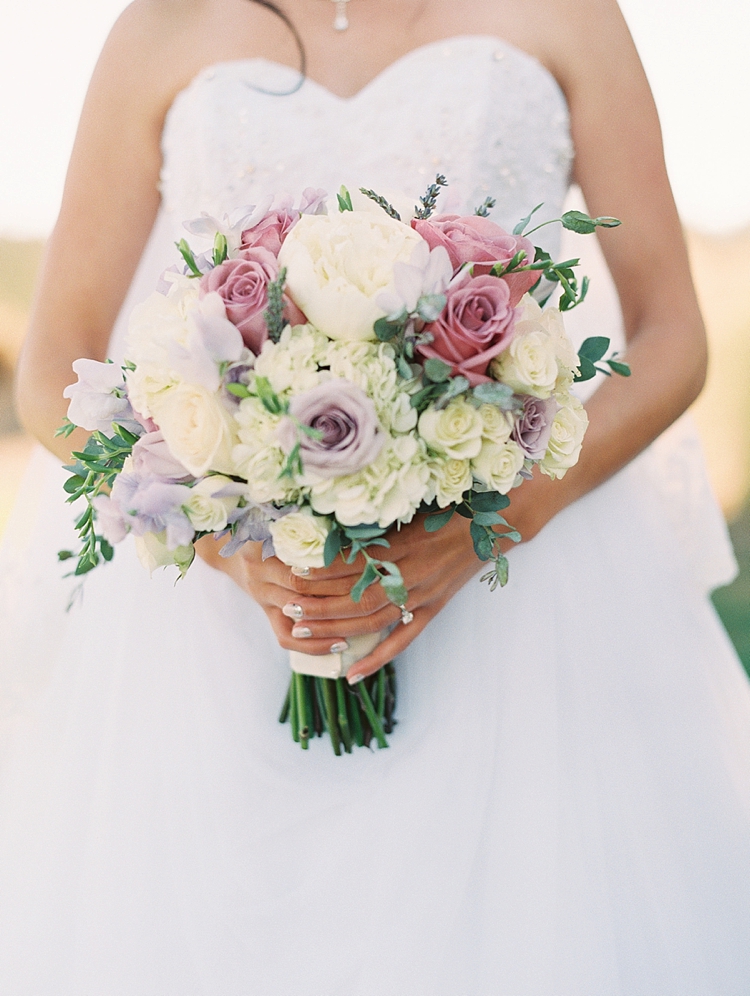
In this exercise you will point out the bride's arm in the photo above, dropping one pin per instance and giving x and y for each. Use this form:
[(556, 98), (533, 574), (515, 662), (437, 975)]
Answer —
[(108, 208), (620, 167)]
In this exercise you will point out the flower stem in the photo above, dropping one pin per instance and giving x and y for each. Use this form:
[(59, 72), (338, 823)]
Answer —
[(353, 704), (372, 716), (381, 693), (303, 711), (293, 712), (284, 714), (343, 717), (329, 696)]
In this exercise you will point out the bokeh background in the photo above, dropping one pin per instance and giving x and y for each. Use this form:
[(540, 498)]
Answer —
[(696, 60)]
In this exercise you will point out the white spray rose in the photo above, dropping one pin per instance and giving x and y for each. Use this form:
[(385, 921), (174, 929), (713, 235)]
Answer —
[(299, 538), (498, 465), (496, 424), (455, 430), (337, 265), (206, 510), (564, 447), (529, 364), (449, 480), (196, 428)]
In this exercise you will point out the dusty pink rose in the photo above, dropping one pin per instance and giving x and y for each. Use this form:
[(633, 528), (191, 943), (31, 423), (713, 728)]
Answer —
[(476, 324), (472, 239), (270, 231), (242, 284)]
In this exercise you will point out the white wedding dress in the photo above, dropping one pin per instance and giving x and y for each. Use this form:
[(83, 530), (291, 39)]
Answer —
[(564, 809)]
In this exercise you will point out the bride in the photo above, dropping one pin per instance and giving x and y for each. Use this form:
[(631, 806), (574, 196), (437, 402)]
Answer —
[(565, 807)]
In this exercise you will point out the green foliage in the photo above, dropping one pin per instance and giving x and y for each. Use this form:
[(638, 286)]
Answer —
[(592, 350), (345, 199), (381, 202), (187, 254), (274, 313), (521, 226), (428, 200), (220, 249)]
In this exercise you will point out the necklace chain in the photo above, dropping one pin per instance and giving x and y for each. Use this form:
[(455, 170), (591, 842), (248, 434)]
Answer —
[(341, 21)]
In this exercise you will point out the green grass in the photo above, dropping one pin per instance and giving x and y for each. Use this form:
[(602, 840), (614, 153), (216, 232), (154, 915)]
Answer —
[(733, 602)]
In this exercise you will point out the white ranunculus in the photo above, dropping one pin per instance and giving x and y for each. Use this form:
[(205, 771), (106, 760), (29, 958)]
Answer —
[(337, 265), (564, 447), (299, 538), (292, 363), (496, 424), (449, 480), (206, 510), (196, 428), (455, 430), (153, 553), (498, 465)]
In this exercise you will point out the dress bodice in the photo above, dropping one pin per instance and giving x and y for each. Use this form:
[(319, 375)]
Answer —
[(487, 115)]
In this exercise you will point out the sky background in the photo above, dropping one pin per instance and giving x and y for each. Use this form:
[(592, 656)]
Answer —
[(696, 58)]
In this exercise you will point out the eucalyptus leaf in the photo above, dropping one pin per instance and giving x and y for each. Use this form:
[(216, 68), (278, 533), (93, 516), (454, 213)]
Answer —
[(586, 370), (492, 393), (483, 541), (430, 306), (436, 370), (366, 531), (332, 548), (501, 569), (395, 589), (488, 501), (385, 330), (619, 368), (434, 522), (594, 348), (369, 576), (520, 227), (487, 519)]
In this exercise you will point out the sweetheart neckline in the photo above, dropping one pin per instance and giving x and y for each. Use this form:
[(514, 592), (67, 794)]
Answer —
[(510, 47)]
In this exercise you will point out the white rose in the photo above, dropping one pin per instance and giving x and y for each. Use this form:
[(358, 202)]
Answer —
[(153, 552), (196, 428), (299, 538), (498, 465), (529, 364), (338, 264), (207, 512), (449, 480), (456, 430), (496, 424), (564, 447)]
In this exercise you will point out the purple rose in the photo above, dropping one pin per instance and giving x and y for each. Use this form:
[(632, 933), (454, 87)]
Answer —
[(350, 436), (534, 426), (153, 458), (242, 284), (476, 324), (477, 240), (98, 397)]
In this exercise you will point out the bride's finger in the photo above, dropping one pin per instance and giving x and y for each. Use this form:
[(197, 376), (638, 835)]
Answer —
[(282, 630), (307, 629), (394, 644)]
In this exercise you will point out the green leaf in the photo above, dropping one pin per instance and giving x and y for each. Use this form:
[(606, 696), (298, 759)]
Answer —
[(422, 398), (268, 397), (520, 227), (587, 370), (483, 539), (106, 549), (403, 368), (605, 222), (619, 368), (434, 522), (65, 554), (437, 371), (492, 393), (345, 199), (594, 348), (125, 434), (487, 519), (430, 306), (464, 510), (488, 501), (238, 390), (385, 330), (369, 576), (220, 249), (187, 254), (501, 568), (395, 589), (334, 542), (364, 532), (577, 221), (72, 484)]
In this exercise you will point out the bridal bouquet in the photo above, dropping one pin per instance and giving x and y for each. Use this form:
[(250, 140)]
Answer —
[(316, 379)]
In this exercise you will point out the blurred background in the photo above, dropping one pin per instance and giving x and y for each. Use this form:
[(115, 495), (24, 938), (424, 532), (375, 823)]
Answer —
[(696, 60)]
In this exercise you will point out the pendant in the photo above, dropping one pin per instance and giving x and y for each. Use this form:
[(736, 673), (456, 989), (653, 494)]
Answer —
[(341, 21)]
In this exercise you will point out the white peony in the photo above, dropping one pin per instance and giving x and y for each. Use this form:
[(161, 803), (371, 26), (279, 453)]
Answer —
[(449, 479), (497, 466), (337, 265), (299, 538), (206, 510), (568, 430), (196, 428), (455, 430)]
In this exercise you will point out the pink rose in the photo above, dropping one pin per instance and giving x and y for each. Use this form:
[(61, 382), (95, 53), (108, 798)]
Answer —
[(473, 239), (476, 324), (242, 284), (270, 231)]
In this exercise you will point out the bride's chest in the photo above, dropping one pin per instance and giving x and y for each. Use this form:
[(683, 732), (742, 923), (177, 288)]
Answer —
[(481, 112)]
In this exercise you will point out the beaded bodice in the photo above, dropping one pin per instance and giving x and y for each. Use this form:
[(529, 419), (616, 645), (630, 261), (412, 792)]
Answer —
[(479, 110)]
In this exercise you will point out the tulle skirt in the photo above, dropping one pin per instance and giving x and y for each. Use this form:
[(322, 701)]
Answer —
[(564, 809)]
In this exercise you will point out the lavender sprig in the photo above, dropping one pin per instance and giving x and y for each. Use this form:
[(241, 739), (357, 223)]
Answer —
[(429, 198)]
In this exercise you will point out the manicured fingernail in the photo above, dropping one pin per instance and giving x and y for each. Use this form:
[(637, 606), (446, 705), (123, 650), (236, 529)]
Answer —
[(293, 611), (355, 679), (301, 572), (339, 648), (301, 632)]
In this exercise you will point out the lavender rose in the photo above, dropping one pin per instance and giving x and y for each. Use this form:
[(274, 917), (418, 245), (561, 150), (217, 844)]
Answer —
[(477, 240), (242, 284), (534, 426), (350, 436), (476, 324)]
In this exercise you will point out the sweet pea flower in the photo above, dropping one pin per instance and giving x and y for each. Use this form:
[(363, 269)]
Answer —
[(231, 226), (149, 505), (98, 398), (427, 273), (152, 457), (212, 340)]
